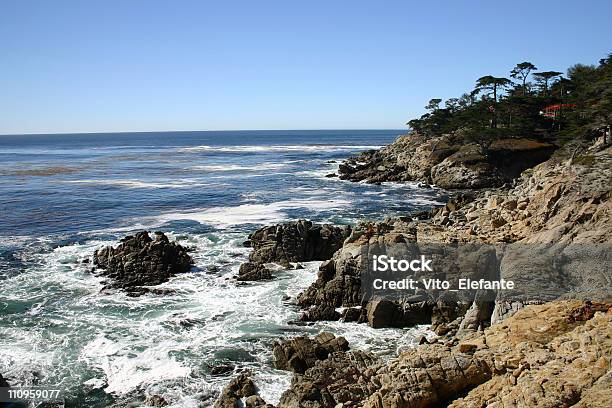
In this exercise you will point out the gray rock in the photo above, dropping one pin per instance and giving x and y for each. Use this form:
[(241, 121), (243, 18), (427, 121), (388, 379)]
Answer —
[(298, 241), (251, 271), (142, 261)]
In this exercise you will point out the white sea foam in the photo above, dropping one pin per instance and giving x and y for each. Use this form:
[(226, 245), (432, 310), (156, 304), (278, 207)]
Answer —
[(125, 369), (249, 213), (237, 167), (159, 344), (135, 183)]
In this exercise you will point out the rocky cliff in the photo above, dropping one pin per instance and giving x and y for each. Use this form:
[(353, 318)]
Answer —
[(446, 163), (554, 355), (550, 231), (560, 209)]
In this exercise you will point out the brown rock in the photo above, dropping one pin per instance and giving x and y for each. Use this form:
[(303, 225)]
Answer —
[(300, 353), (239, 387)]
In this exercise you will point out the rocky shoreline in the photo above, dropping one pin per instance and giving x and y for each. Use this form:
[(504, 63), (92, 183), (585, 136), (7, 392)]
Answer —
[(446, 163), (496, 350), (547, 347)]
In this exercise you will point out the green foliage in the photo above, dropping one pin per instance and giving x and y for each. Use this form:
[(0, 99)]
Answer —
[(433, 104), (521, 72), (499, 108), (542, 79)]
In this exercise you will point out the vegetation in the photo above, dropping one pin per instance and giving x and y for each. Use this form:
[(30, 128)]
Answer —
[(532, 104)]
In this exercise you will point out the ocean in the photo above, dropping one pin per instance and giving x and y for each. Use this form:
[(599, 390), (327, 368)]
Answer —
[(63, 196)]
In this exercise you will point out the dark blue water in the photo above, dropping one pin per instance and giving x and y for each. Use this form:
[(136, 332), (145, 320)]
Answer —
[(63, 196)]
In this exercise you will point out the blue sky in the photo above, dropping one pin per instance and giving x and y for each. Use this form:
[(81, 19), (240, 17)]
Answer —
[(87, 66)]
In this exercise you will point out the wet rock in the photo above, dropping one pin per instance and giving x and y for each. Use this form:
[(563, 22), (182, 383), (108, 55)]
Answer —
[(300, 353), (298, 241), (238, 388), (386, 313), (352, 314), (251, 271), (255, 401), (221, 369), (320, 313), (156, 401), (142, 261), (213, 269), (3, 382), (139, 290), (337, 285)]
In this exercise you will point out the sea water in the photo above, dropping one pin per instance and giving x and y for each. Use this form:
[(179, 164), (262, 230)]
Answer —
[(63, 196)]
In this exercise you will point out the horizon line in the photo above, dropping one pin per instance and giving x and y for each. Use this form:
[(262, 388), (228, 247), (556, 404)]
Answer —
[(190, 131)]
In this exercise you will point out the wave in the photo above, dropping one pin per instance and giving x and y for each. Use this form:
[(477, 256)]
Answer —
[(249, 213), (237, 167), (161, 344), (135, 183), (275, 148)]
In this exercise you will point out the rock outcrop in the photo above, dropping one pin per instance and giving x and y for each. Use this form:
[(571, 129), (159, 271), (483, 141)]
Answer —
[(300, 353), (342, 378), (241, 388), (557, 218), (553, 355), (3, 382), (251, 271), (549, 232), (566, 199), (142, 261), (298, 241), (445, 163), (537, 358)]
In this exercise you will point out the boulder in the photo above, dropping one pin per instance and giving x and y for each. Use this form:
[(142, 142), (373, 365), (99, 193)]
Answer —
[(352, 314), (320, 313), (3, 382), (255, 401), (387, 313), (251, 271), (156, 401), (298, 241), (300, 353), (240, 387), (140, 260)]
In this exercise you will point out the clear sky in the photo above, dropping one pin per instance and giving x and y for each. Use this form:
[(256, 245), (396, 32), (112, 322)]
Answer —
[(126, 65)]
